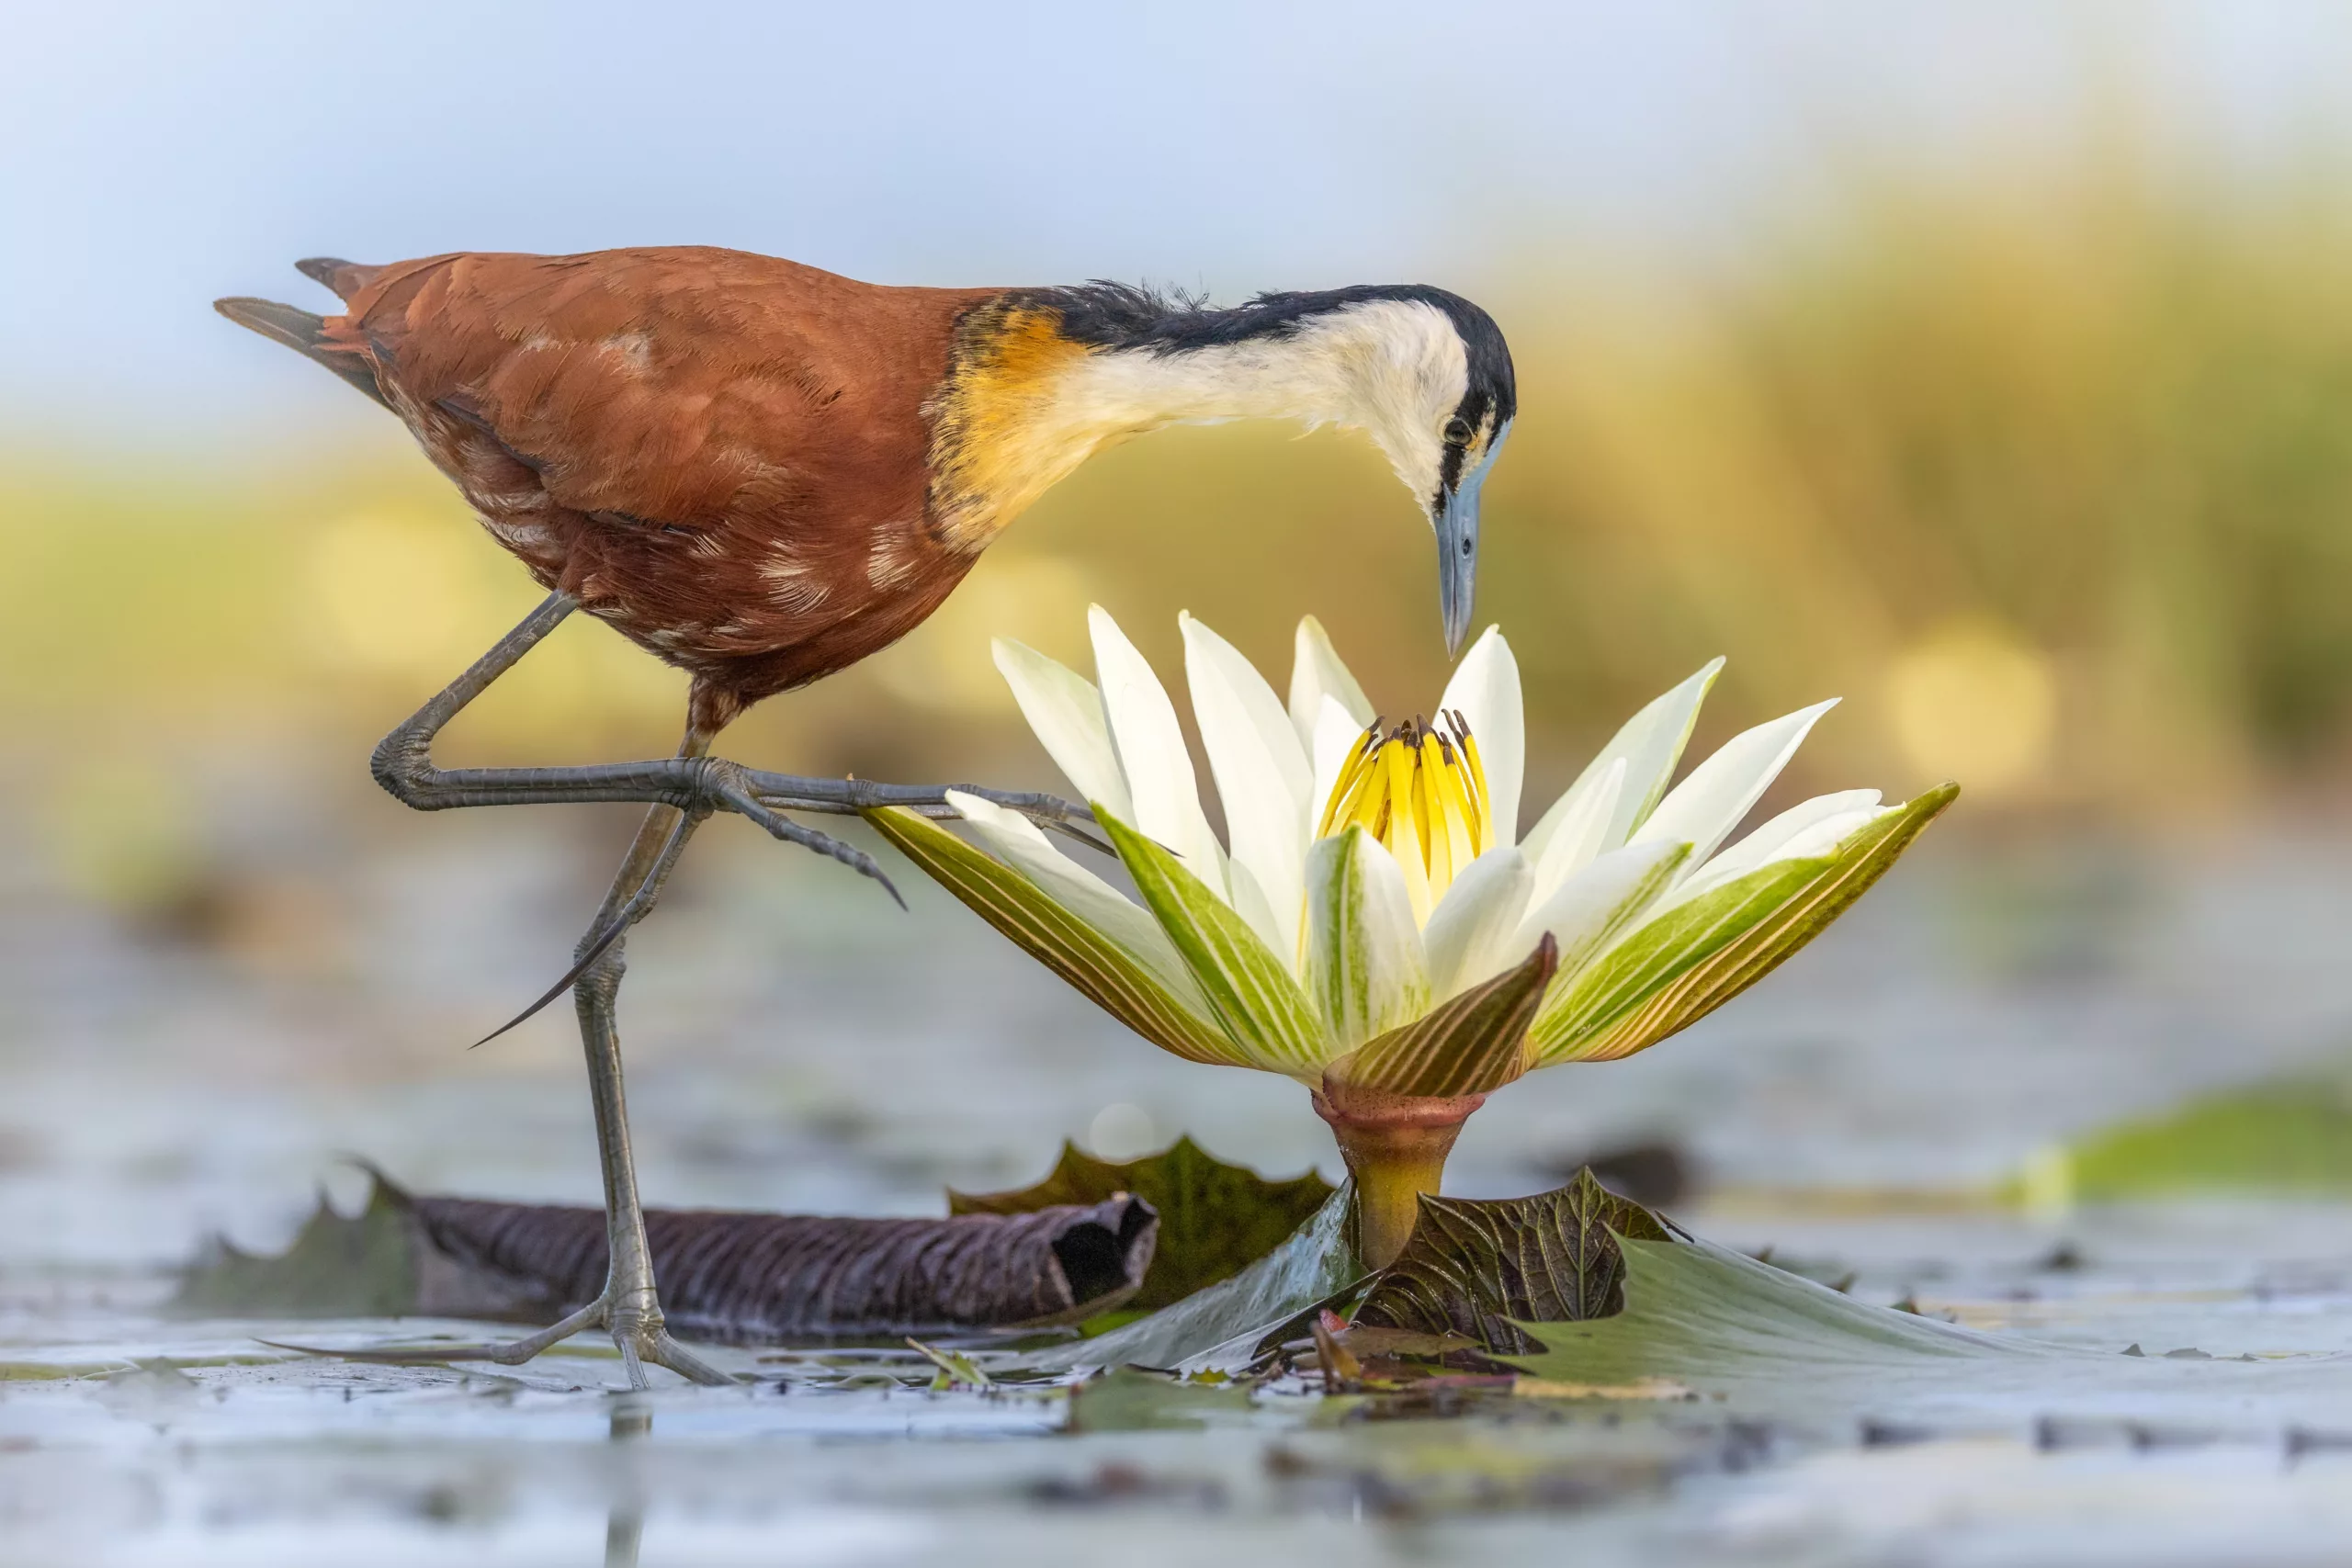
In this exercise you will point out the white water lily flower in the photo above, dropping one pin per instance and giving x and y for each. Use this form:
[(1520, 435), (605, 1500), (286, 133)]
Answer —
[(1373, 924)]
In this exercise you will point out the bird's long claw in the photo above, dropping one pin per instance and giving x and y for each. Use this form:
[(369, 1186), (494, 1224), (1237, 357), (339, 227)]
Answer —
[(1049, 812), (422, 1353), (792, 832), (594, 950), (1078, 834), (596, 947), (736, 800), (648, 1343)]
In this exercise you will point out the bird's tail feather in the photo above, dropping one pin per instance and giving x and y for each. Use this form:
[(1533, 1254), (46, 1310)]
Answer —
[(346, 279), (304, 334)]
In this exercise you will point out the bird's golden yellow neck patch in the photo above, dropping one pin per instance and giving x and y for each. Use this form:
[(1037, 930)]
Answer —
[(1002, 430)]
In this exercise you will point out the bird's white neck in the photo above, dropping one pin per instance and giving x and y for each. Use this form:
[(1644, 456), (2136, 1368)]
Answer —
[(1380, 366), (1364, 368)]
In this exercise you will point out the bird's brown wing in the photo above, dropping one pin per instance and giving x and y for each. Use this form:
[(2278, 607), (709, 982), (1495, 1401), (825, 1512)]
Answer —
[(725, 456), (692, 389)]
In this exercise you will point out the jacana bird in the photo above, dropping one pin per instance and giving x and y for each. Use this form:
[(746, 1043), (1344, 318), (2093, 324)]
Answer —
[(760, 473)]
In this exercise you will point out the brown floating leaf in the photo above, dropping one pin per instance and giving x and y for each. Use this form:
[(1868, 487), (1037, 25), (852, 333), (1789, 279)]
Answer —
[(1369, 1340), (1340, 1366), (741, 1276), (758, 1278), (1215, 1219), (1472, 1267)]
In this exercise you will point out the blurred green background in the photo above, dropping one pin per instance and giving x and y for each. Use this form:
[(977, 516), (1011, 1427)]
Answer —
[(2046, 466)]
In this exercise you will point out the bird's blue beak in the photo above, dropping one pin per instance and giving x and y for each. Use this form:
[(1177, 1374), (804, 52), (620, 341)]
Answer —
[(1457, 546)]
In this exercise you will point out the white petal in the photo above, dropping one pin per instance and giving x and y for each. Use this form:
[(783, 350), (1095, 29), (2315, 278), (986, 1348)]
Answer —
[(1017, 841), (1704, 808), (1066, 711), (1577, 827), (1471, 928), (1651, 743), (1263, 777), (1151, 746), (1588, 905), (1811, 827), (1316, 673), (1365, 966), (1485, 690), (1207, 653), (1337, 736)]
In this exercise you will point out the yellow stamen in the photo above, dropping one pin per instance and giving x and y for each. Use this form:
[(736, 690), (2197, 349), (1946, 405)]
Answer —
[(1437, 842), (1402, 834), (1421, 791), (1475, 769), (1463, 845)]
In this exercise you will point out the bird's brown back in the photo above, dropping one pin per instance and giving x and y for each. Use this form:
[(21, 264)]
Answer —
[(726, 457)]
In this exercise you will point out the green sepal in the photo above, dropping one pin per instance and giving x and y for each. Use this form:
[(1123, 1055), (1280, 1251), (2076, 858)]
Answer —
[(1253, 993), (1687, 963), (1089, 961), (1469, 1045)]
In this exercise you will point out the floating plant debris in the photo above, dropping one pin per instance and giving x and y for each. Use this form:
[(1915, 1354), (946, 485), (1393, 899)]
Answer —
[(735, 1277), (1216, 1219)]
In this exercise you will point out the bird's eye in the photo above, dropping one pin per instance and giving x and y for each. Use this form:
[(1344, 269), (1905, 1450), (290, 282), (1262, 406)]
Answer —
[(1457, 431)]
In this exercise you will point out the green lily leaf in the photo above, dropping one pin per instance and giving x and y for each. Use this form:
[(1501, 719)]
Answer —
[(1253, 993), (2292, 1135), (1477, 1268), (1472, 1043), (1219, 1330), (1776, 1347), (1089, 961), (1216, 1219), (1127, 1400), (1720, 1322), (365, 1266), (1689, 961)]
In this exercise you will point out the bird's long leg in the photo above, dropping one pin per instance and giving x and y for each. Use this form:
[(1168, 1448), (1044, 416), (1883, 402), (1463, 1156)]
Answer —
[(681, 792), (633, 1304), (629, 1306), (403, 765)]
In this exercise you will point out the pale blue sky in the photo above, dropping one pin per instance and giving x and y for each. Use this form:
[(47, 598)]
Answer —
[(152, 156)]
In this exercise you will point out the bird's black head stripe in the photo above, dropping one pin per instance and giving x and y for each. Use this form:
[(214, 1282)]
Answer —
[(1123, 315)]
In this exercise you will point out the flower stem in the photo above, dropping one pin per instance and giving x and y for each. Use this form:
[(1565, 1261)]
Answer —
[(1395, 1146)]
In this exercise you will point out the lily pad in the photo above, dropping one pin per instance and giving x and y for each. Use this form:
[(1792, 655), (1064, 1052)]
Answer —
[(1216, 1219), (1129, 1401), (1767, 1343), (1479, 1267), (2287, 1136), (1473, 1271), (361, 1266), (1218, 1329)]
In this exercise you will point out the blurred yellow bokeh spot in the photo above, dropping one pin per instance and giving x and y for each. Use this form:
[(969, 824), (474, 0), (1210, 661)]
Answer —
[(414, 597), (400, 596), (1973, 702)]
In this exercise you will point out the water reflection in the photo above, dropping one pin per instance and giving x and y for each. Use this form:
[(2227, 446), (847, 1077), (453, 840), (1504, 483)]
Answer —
[(625, 1520)]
